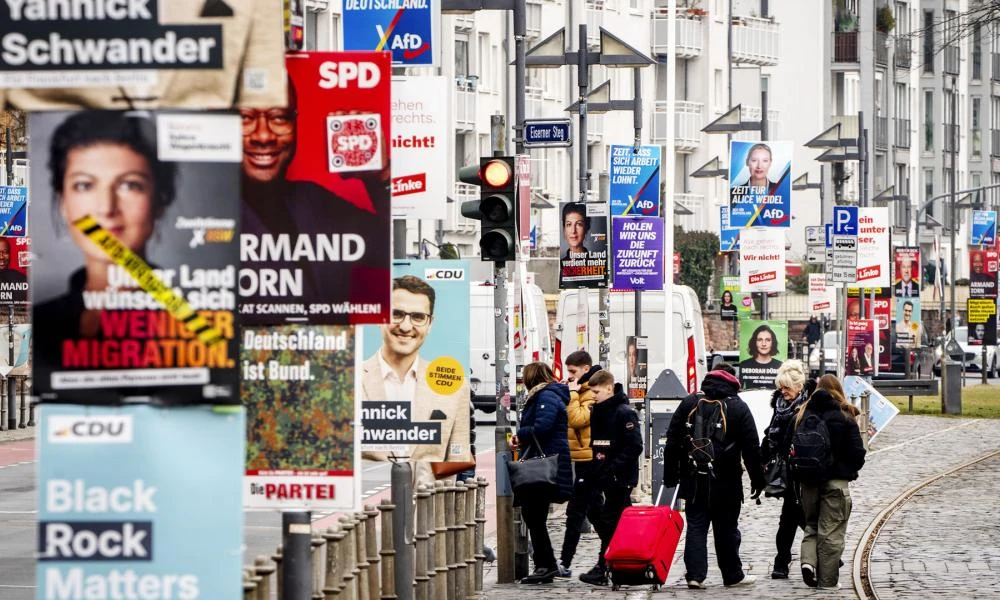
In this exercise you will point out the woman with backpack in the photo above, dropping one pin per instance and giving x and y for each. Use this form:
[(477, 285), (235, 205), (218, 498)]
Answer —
[(792, 391), (827, 453)]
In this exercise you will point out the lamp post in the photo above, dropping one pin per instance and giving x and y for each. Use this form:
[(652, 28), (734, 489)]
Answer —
[(801, 183)]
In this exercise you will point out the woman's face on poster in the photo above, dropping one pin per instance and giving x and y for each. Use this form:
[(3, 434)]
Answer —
[(764, 343), (727, 297), (759, 163), (113, 184), (574, 230)]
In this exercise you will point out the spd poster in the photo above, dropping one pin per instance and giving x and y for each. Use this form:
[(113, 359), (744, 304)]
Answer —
[(763, 347), (983, 267), (760, 184), (861, 354), (634, 188), (15, 256), (583, 246)]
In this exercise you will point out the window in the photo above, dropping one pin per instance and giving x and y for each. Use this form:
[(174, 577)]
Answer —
[(929, 190), (902, 101), (462, 58), (460, 158), (928, 33), (311, 33), (977, 127), (720, 90), (929, 120), (486, 81), (977, 52), (633, 4), (902, 20)]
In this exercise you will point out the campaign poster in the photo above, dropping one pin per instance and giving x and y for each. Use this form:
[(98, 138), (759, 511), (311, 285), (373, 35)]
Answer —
[(878, 307), (984, 228), (880, 410), (139, 502), (298, 386), (763, 347), (20, 338), (414, 389), (909, 323), (316, 212), (822, 296), (729, 286), (873, 247), (15, 257), (637, 247), (13, 210), (729, 237), (906, 282), (861, 357), (634, 188), (760, 184), (146, 54), (134, 268), (983, 265), (410, 30), (637, 366), (982, 320), (583, 247), (420, 153), (762, 260)]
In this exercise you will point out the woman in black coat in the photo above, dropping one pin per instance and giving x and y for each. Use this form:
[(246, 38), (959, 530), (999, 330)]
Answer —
[(543, 430)]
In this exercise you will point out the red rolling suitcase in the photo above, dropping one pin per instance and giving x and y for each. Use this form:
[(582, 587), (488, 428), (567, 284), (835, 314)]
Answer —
[(644, 544)]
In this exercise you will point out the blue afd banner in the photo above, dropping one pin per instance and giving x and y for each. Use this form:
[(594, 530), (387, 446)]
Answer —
[(984, 228), (410, 29), (729, 237), (760, 184), (140, 502), (635, 181), (13, 209)]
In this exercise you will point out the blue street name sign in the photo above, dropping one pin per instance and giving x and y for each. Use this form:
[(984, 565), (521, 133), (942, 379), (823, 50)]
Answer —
[(541, 133)]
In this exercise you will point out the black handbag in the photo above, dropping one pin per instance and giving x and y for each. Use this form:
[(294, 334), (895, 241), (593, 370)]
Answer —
[(540, 473), (776, 475)]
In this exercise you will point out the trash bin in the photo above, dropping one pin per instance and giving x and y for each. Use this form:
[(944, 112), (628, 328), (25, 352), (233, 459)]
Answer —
[(662, 401)]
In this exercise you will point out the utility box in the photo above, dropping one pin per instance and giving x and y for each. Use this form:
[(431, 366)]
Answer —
[(951, 394), (662, 400)]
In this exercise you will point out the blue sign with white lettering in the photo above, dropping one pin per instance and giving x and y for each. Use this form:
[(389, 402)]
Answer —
[(541, 134), (635, 181), (729, 237), (845, 220), (984, 228), (13, 208), (828, 230), (407, 28)]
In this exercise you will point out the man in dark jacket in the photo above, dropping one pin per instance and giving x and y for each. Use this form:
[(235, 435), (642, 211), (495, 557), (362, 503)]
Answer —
[(715, 500), (616, 439)]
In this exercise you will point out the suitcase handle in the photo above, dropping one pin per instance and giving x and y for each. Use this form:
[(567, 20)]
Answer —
[(659, 495)]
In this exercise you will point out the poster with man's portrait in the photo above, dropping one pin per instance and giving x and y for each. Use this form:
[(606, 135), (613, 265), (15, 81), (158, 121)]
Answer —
[(583, 245), (763, 347), (15, 256), (636, 366), (909, 323), (983, 266), (906, 283), (861, 352), (414, 390), (982, 321)]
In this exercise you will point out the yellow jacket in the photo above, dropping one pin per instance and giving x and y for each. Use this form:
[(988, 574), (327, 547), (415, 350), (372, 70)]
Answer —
[(578, 413)]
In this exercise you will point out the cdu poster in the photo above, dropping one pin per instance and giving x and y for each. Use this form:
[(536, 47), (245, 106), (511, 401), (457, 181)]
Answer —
[(760, 184), (634, 188), (637, 246)]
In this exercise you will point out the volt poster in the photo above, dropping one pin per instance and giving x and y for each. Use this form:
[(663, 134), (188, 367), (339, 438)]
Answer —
[(760, 184), (409, 29), (635, 181), (637, 245), (420, 147)]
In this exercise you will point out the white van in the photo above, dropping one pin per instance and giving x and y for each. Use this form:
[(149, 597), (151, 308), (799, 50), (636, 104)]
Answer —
[(537, 340), (685, 332)]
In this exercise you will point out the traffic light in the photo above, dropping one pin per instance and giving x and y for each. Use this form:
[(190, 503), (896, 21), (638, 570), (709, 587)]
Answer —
[(496, 209)]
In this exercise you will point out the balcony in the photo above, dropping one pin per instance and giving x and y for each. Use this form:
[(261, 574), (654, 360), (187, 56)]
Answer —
[(690, 34), (881, 133), (465, 23), (464, 102), (904, 49), (848, 125), (595, 128), (951, 60), (595, 20), (881, 49), (977, 64), (995, 66), (461, 192), (694, 203), (533, 20), (752, 113), (687, 129), (845, 47), (755, 41), (950, 141), (902, 133), (995, 142)]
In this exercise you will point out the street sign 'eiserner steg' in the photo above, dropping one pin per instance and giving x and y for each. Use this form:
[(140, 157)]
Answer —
[(542, 133)]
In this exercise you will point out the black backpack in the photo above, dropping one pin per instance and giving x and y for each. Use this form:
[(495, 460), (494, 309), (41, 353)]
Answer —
[(811, 456), (706, 429)]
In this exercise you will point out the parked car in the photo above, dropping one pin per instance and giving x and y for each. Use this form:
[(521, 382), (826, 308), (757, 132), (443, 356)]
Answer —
[(971, 355)]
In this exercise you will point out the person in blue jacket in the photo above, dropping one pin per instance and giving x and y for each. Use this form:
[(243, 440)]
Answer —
[(542, 431)]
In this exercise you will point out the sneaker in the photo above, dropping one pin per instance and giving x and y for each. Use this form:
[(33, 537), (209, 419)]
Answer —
[(564, 573), (595, 576), (829, 587), (747, 580), (696, 585), (809, 575), (541, 575), (780, 571)]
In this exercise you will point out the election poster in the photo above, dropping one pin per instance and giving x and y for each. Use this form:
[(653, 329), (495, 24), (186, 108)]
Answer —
[(420, 135), (139, 502), (637, 366), (20, 338), (982, 319), (637, 247), (729, 287), (880, 410), (729, 237), (822, 296), (298, 386), (861, 355), (583, 247), (762, 260), (984, 228), (134, 271), (15, 256), (873, 247), (878, 307), (143, 54), (909, 323), (763, 347), (409, 29), (760, 184), (906, 283), (316, 207), (983, 266), (13, 210), (414, 389), (634, 188)]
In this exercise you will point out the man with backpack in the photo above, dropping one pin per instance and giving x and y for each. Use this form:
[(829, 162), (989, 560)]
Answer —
[(707, 436)]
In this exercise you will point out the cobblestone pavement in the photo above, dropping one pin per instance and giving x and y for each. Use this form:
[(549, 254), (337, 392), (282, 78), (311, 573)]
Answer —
[(945, 540), (910, 450)]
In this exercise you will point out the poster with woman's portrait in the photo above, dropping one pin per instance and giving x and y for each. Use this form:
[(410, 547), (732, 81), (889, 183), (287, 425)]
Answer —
[(862, 354), (134, 219), (583, 245), (760, 184), (636, 366), (763, 347)]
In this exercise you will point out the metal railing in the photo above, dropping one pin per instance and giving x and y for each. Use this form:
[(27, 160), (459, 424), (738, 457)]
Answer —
[(901, 139), (688, 124), (696, 204), (995, 66), (904, 50), (845, 47), (881, 48), (756, 41), (881, 133), (465, 108), (951, 60), (690, 34), (994, 142), (595, 19), (24, 414)]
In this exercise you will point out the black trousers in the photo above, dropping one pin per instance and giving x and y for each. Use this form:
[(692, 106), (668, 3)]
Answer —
[(535, 515), (722, 512), (576, 510), (605, 512), (788, 524)]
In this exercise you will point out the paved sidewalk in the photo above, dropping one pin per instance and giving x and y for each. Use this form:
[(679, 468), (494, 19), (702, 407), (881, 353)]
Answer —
[(13, 435), (911, 449)]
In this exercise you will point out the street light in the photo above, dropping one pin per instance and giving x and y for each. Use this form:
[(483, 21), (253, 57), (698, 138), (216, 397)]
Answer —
[(711, 169)]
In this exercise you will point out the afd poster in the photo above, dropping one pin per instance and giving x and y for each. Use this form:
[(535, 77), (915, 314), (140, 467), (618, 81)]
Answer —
[(861, 354), (298, 389), (316, 206), (420, 135), (729, 237), (414, 389), (880, 410), (139, 502), (583, 247), (906, 283), (15, 256), (762, 260), (637, 247), (984, 228), (133, 276), (409, 29), (634, 188), (873, 247), (763, 347), (13, 210), (760, 184)]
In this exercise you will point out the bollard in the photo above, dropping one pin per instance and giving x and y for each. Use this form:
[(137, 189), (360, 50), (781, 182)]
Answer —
[(864, 417), (3, 406), (331, 584), (387, 552), (480, 531), (362, 555), (420, 541), (432, 542), (371, 544), (472, 488), (459, 541), (249, 587), (22, 420), (317, 561), (296, 539), (277, 558), (347, 566), (31, 413), (264, 569), (401, 477), (449, 521)]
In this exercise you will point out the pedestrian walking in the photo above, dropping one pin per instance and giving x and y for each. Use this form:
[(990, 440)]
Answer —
[(617, 446), (542, 431), (826, 455), (792, 390), (581, 367), (706, 438)]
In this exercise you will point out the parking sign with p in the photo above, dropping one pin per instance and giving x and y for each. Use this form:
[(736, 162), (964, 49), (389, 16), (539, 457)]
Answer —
[(845, 220)]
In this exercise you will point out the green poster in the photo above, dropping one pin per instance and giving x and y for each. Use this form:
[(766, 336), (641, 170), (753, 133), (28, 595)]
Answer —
[(763, 347)]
